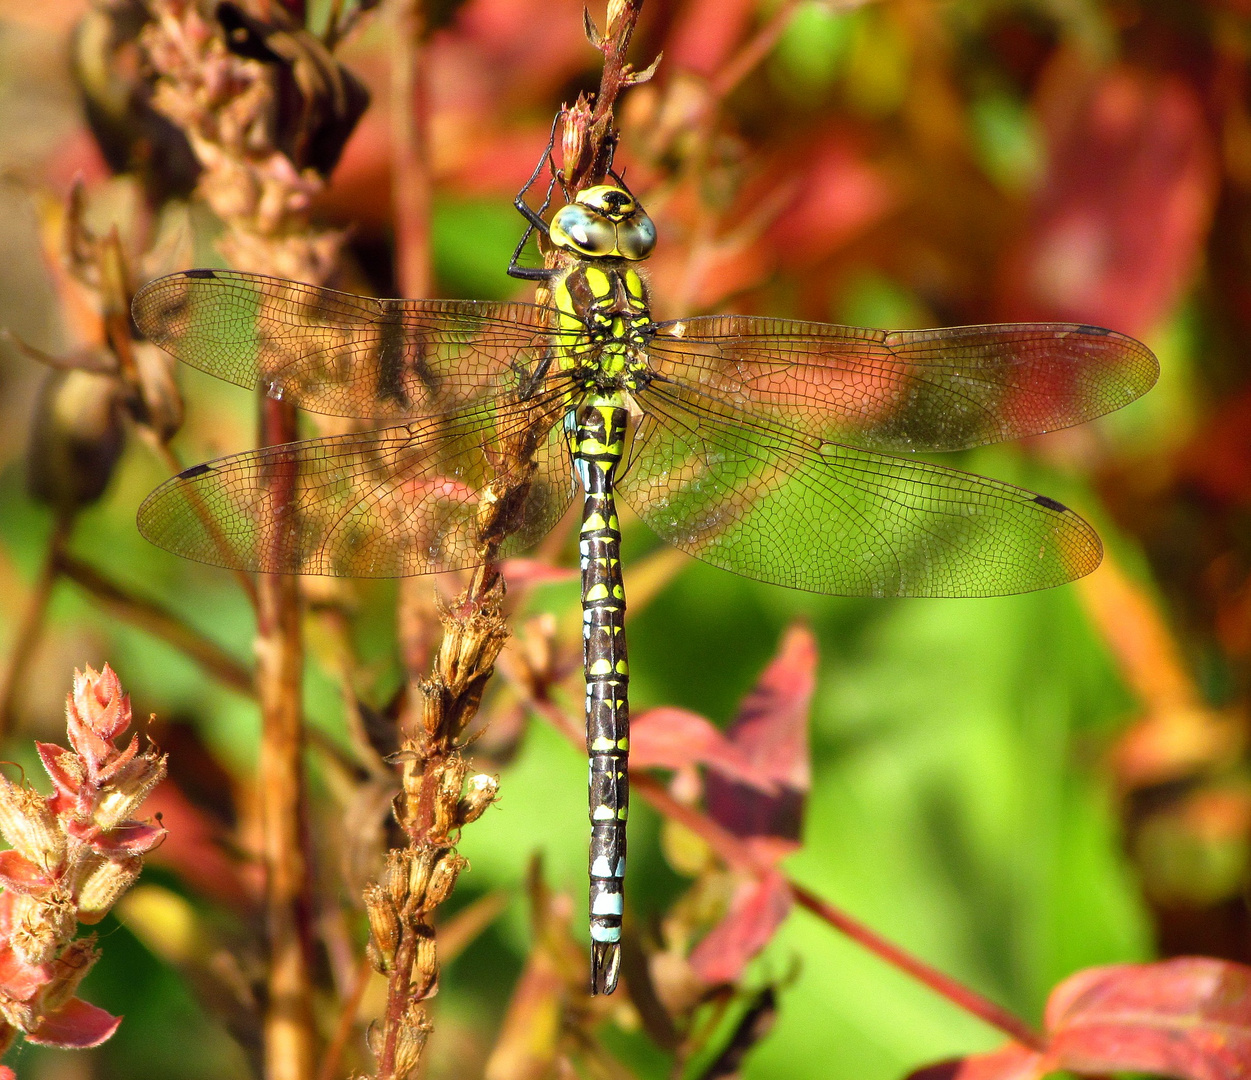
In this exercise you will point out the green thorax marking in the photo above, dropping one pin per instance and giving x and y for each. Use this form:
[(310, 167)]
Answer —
[(603, 310)]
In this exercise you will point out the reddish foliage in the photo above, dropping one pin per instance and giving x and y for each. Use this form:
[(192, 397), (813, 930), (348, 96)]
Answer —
[(672, 738), (772, 730), (75, 1026), (1188, 1018), (759, 908), (1121, 219)]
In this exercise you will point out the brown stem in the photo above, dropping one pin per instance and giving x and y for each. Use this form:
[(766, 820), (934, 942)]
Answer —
[(410, 162), (288, 1022), (28, 630), (738, 855), (739, 66), (156, 620)]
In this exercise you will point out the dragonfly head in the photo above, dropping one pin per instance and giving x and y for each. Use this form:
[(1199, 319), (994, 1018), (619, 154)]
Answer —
[(604, 222)]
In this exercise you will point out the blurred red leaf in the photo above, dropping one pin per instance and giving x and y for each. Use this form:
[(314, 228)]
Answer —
[(1218, 459), (706, 34), (1121, 218), (521, 573), (771, 730), (841, 195), (6, 1073), (759, 907), (671, 738), (1188, 1017), (75, 1026), (194, 847), (1011, 1062)]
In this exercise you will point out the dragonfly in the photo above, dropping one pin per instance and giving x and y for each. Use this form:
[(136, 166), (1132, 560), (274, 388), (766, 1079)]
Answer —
[(778, 449)]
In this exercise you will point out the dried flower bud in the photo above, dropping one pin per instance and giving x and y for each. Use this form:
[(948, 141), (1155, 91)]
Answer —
[(29, 825), (481, 793), (414, 1031), (384, 927), (103, 884), (443, 880), (425, 978), (420, 868), (447, 798), (76, 439)]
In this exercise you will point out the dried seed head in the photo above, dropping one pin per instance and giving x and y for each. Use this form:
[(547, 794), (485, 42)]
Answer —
[(42, 925), (103, 884), (384, 927), (414, 1031), (425, 978), (443, 880), (420, 869), (482, 791), (29, 825)]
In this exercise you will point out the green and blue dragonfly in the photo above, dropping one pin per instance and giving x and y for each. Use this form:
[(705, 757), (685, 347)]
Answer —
[(774, 448)]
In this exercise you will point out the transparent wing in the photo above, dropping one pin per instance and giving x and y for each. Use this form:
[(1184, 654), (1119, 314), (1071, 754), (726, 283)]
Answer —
[(404, 500), (332, 352), (794, 510), (942, 389)]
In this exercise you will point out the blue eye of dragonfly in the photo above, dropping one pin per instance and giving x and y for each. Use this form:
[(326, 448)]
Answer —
[(776, 449)]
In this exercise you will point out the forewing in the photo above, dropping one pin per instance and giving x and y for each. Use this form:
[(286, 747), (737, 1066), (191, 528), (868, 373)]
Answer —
[(798, 511), (332, 352), (389, 503), (942, 389)]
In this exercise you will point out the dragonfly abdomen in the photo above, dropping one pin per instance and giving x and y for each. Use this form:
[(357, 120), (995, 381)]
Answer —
[(596, 432)]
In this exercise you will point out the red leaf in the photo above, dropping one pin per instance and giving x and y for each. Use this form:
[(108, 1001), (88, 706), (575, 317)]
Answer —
[(19, 980), (1189, 1018), (75, 1026), (6, 1073), (758, 909), (1122, 216), (771, 729), (1011, 1062), (671, 738), (65, 782)]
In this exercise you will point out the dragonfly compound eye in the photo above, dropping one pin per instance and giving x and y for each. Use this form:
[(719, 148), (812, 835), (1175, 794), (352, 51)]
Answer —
[(636, 237), (584, 230)]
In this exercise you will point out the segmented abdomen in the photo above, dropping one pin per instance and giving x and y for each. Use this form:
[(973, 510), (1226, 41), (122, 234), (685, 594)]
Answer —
[(596, 432)]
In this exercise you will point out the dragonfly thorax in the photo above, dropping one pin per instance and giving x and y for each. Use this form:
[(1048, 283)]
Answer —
[(605, 324)]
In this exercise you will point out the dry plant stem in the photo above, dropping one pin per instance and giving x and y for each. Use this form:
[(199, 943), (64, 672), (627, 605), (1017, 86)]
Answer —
[(27, 635), (737, 854), (157, 621), (410, 137), (590, 165), (289, 1049)]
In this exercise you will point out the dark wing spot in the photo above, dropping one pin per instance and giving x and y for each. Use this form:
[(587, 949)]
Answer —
[(200, 470), (1093, 331), (1051, 504), (199, 273)]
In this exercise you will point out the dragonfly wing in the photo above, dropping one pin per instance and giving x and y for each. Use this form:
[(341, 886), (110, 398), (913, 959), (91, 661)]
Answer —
[(942, 389), (799, 511), (332, 352), (387, 503)]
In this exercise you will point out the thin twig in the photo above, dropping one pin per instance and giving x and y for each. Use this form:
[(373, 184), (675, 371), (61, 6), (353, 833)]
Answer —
[(739, 856), (410, 158), (156, 620)]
